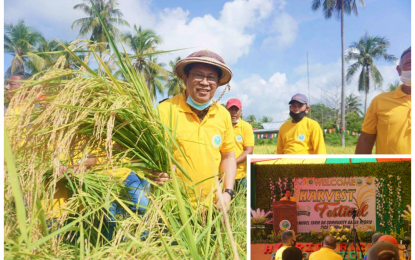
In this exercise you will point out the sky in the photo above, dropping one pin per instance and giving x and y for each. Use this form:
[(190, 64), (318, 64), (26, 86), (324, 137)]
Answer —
[(264, 42)]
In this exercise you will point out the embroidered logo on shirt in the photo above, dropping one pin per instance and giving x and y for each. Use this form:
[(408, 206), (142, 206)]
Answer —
[(216, 141), (238, 138), (300, 137)]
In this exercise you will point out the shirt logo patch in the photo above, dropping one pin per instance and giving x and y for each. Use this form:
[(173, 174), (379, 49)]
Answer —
[(216, 141), (300, 137), (238, 138)]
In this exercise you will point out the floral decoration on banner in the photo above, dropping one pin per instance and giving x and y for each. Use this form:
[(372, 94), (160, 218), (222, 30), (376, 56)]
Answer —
[(389, 202)]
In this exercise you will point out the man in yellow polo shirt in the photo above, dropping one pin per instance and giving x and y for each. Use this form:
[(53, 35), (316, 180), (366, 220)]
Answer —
[(388, 118), (203, 127), (327, 251), (244, 140), (287, 196), (301, 135), (288, 240)]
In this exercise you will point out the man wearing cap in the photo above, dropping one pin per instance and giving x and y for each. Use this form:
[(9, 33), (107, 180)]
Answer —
[(327, 251), (390, 239), (244, 140), (203, 127), (383, 250), (375, 239), (301, 135), (388, 118)]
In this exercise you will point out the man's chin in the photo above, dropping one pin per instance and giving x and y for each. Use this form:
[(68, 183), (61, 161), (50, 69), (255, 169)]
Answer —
[(201, 100)]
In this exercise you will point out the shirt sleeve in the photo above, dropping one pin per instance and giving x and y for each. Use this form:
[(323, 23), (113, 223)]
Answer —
[(280, 145), (249, 136), (371, 119), (162, 109), (319, 145), (229, 137)]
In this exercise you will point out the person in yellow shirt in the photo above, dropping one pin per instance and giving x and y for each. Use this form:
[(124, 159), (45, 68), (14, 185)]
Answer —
[(288, 240), (287, 196), (301, 135), (388, 118), (244, 140), (327, 251), (203, 127)]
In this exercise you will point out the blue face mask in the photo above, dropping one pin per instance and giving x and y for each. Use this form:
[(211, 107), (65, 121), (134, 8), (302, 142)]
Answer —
[(236, 121), (198, 106)]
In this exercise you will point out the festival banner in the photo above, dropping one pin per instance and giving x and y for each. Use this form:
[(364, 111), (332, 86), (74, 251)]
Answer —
[(325, 202)]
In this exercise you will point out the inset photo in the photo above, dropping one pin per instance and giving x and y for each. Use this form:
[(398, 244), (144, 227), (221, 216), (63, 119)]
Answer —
[(329, 208)]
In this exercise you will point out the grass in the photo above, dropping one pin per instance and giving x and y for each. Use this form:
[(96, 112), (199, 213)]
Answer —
[(271, 149)]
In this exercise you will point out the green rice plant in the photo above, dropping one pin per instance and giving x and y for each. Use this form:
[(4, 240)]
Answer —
[(92, 114)]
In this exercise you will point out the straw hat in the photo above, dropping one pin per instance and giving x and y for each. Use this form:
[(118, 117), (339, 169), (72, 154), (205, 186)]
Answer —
[(207, 57)]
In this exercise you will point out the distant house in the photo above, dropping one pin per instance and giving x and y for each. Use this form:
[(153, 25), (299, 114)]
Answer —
[(270, 130)]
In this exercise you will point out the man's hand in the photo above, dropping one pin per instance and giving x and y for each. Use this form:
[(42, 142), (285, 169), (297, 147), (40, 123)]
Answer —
[(76, 168), (160, 177), (226, 198), (62, 169)]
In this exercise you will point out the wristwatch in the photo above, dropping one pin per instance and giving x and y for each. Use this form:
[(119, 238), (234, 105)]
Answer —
[(230, 192)]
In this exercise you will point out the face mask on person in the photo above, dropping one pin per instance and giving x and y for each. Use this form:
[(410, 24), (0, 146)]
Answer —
[(297, 117), (196, 105), (236, 121), (406, 77)]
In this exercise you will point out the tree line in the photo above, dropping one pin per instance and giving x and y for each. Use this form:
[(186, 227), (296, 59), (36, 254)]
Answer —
[(33, 53)]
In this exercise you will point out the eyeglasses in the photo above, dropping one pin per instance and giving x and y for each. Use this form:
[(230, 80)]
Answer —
[(200, 77)]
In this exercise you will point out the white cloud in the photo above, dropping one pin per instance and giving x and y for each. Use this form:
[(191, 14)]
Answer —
[(286, 29), (262, 97), (226, 35), (46, 16), (137, 12), (240, 13)]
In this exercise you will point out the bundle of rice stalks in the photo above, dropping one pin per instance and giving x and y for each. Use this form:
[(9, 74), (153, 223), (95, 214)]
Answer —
[(88, 115)]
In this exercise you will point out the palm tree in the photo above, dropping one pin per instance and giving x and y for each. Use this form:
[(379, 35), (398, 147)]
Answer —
[(20, 41), (154, 74), (266, 119), (353, 105), (143, 43), (340, 7), (365, 52), (393, 86), (46, 46), (91, 24), (251, 119), (174, 85)]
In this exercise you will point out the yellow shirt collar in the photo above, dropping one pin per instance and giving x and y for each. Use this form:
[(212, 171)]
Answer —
[(238, 124), (399, 93)]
